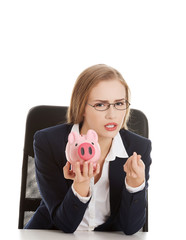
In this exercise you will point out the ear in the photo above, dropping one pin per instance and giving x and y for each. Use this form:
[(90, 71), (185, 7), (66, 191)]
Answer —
[(72, 137), (91, 134)]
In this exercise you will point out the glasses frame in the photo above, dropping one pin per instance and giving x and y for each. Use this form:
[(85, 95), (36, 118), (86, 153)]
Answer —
[(108, 106)]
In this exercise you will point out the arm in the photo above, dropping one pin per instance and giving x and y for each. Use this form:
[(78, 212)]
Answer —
[(65, 209), (132, 214)]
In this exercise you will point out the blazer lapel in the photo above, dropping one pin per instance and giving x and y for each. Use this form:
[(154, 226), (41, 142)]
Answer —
[(117, 182)]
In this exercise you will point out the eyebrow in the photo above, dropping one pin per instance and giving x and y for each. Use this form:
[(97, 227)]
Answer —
[(106, 101)]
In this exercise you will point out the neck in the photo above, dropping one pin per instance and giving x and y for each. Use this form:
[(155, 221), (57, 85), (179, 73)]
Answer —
[(105, 145)]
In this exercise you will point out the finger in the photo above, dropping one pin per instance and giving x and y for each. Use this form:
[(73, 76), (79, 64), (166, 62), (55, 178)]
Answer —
[(68, 174), (138, 158), (132, 166), (125, 167), (66, 168), (85, 169), (134, 162), (129, 165), (77, 169), (140, 162), (67, 165), (97, 170), (90, 169)]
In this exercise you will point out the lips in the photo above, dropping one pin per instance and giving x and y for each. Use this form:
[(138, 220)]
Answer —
[(111, 126)]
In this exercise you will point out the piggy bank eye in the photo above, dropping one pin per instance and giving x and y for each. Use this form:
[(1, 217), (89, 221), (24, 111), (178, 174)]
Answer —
[(76, 144), (92, 143)]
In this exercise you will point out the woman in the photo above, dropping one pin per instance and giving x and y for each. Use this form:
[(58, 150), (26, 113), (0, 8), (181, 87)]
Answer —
[(113, 196)]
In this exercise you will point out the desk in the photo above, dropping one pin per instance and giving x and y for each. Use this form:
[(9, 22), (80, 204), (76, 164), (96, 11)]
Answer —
[(78, 235), (83, 235)]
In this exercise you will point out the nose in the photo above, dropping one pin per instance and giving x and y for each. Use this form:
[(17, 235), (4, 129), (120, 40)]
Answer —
[(86, 151), (111, 112)]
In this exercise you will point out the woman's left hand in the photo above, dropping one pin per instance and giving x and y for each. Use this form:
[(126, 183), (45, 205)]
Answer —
[(135, 170)]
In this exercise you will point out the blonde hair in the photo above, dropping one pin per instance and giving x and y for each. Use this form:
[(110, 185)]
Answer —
[(88, 79)]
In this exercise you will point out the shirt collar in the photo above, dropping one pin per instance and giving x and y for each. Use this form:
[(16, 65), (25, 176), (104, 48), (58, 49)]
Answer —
[(75, 128), (117, 149)]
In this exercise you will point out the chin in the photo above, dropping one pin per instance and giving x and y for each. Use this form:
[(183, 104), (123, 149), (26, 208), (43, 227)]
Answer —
[(108, 134)]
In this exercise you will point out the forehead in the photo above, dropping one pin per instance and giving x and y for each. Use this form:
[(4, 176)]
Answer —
[(108, 90)]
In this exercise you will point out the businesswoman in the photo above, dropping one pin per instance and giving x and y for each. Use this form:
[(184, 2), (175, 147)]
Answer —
[(111, 197)]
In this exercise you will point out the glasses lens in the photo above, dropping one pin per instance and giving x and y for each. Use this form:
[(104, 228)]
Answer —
[(101, 106), (122, 105)]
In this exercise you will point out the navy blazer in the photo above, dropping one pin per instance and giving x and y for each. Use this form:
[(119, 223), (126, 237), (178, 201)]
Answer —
[(61, 209)]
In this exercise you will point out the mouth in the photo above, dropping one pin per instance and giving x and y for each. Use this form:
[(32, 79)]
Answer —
[(111, 126)]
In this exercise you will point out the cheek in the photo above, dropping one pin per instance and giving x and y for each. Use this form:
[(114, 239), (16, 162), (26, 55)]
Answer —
[(90, 114), (90, 117), (122, 117), (86, 114)]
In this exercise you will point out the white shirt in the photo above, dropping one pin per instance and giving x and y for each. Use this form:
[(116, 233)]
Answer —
[(98, 209)]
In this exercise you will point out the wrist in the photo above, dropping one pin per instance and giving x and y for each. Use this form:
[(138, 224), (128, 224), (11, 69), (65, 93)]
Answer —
[(82, 188), (134, 183)]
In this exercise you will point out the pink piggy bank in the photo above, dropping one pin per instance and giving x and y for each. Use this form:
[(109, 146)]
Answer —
[(83, 148)]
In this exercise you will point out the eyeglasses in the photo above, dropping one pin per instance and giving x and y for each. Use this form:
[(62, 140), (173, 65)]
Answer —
[(121, 105)]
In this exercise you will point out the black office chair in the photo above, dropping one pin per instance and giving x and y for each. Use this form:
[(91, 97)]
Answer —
[(40, 117)]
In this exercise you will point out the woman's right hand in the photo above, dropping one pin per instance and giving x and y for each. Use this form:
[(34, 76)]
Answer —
[(81, 180)]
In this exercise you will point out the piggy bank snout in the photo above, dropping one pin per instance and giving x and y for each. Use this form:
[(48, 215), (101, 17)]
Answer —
[(86, 151)]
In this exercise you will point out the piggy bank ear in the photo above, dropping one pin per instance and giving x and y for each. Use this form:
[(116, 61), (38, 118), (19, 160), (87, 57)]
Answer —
[(72, 137), (92, 135)]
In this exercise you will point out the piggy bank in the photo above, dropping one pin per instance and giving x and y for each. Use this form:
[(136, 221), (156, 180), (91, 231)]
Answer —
[(83, 148)]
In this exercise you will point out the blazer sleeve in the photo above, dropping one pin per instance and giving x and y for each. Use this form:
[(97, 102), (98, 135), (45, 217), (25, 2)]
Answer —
[(132, 214), (65, 209)]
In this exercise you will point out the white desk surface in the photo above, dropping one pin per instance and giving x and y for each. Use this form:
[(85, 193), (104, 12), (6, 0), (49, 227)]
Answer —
[(82, 235)]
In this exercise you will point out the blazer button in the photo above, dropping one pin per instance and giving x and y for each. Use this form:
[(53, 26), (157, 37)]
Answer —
[(136, 201)]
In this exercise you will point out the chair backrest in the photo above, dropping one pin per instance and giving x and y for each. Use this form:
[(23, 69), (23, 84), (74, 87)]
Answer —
[(41, 117)]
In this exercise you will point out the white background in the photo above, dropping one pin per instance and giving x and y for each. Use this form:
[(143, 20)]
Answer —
[(44, 45)]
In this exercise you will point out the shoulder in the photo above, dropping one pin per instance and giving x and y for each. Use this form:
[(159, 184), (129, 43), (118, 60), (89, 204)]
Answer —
[(55, 130), (131, 136), (58, 133), (135, 142), (50, 143)]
